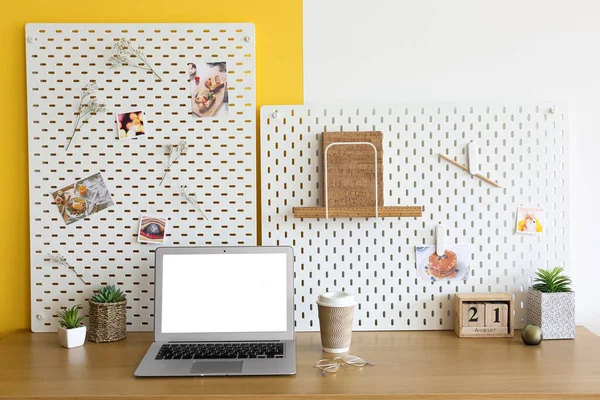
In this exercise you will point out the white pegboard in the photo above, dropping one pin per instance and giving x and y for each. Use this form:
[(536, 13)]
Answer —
[(523, 147), (219, 167)]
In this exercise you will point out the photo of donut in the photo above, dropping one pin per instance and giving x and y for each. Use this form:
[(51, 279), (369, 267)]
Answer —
[(153, 229), (452, 265), (443, 266)]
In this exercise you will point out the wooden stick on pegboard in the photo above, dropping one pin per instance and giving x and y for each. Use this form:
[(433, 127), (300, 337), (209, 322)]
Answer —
[(464, 167)]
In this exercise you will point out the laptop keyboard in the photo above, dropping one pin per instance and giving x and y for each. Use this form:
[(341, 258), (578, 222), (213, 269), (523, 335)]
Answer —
[(209, 351)]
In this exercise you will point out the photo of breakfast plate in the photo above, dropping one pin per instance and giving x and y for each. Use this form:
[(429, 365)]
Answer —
[(83, 198), (453, 264)]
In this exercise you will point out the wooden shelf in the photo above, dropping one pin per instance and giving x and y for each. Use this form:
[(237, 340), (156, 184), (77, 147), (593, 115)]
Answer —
[(319, 212)]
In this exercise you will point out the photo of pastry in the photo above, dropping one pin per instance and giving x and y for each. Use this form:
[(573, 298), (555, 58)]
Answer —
[(83, 198), (153, 229), (451, 266), (130, 124), (530, 220), (208, 85)]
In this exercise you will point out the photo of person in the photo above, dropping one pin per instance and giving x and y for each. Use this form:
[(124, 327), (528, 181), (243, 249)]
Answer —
[(530, 220), (209, 90), (153, 229), (83, 198), (130, 125)]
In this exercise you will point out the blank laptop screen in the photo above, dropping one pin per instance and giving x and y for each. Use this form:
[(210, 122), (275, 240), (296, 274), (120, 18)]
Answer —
[(204, 293)]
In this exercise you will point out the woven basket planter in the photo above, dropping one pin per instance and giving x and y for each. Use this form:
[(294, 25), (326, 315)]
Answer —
[(108, 321)]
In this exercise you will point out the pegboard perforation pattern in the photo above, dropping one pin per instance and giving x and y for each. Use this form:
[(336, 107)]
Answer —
[(219, 167), (524, 147)]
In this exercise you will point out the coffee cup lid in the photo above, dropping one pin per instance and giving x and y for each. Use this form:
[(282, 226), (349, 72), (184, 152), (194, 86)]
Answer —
[(336, 299)]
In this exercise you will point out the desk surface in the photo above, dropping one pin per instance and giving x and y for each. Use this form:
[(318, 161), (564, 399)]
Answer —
[(433, 364)]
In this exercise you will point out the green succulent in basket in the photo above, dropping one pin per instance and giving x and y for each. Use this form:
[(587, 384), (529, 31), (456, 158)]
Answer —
[(552, 281), (69, 318), (109, 294)]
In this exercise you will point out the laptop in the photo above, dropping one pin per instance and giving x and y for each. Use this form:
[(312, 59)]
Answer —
[(222, 311)]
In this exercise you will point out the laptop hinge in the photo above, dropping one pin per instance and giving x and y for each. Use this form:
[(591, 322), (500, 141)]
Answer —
[(223, 341)]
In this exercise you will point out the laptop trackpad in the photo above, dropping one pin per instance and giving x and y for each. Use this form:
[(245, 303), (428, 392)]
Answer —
[(216, 367)]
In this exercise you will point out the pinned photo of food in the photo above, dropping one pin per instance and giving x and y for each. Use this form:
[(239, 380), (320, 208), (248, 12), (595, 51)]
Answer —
[(208, 84), (452, 265), (130, 125), (530, 220), (153, 229), (83, 198)]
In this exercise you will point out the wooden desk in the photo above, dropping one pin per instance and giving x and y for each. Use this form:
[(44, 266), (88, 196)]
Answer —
[(421, 365)]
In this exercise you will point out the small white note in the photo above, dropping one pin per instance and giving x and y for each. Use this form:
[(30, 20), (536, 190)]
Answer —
[(440, 240), (473, 159)]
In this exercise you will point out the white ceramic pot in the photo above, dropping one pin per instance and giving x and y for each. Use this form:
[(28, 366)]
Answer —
[(70, 338)]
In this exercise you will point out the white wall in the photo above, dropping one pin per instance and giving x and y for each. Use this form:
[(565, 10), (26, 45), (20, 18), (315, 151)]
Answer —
[(386, 51)]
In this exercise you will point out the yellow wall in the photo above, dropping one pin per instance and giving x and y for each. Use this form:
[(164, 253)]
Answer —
[(279, 81)]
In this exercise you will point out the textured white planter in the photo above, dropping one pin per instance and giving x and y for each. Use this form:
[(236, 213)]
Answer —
[(553, 312), (70, 338)]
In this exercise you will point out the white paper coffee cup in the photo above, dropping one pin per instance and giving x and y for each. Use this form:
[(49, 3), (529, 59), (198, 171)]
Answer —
[(336, 315)]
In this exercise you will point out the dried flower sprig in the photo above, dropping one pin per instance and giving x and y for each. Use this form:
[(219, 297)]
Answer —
[(191, 198), (87, 108), (174, 152), (125, 55), (62, 260)]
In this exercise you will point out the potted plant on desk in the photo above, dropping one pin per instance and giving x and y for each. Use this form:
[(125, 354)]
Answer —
[(71, 332), (108, 315), (552, 304)]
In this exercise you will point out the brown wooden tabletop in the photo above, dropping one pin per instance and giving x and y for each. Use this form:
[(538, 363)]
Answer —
[(421, 365)]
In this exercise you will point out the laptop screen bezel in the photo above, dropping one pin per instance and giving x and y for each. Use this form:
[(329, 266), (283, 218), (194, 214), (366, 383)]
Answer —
[(160, 336)]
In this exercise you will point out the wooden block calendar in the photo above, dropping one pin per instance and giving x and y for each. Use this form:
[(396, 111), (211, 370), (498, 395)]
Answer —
[(483, 315)]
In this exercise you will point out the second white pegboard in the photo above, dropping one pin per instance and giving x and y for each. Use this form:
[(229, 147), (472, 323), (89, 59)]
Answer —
[(523, 147)]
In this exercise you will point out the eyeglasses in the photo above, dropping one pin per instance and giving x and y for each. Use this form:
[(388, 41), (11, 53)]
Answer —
[(326, 365)]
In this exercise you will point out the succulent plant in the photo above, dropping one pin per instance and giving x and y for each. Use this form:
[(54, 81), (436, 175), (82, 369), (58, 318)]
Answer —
[(109, 294), (69, 318), (552, 281)]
